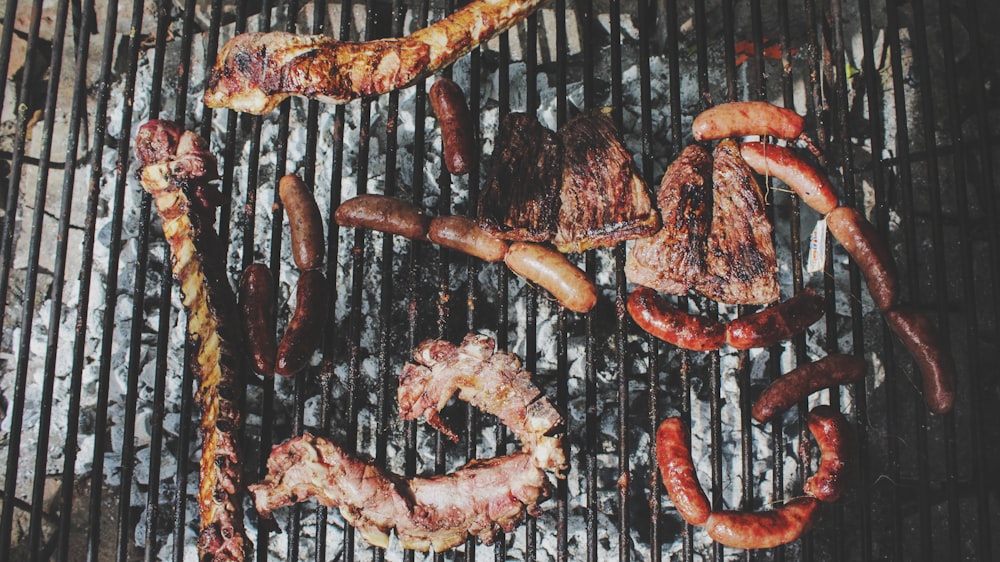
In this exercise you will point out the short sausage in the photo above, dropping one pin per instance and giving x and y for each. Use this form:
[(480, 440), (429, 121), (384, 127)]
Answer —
[(867, 249), (744, 118), (679, 475), (305, 222), (937, 367), (554, 273), (457, 135), (305, 329), (835, 437), (465, 235), (809, 183), (689, 331), (257, 311), (764, 529), (385, 214), (795, 385), (776, 323)]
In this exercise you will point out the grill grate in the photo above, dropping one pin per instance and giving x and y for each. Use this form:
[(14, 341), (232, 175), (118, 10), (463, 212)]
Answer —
[(98, 406)]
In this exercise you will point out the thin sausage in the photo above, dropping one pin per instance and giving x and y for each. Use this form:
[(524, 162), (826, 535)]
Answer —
[(465, 235), (305, 329), (795, 385), (689, 331), (835, 437), (867, 249), (777, 323), (305, 222), (385, 214), (744, 118), (257, 308), (554, 273), (764, 529), (924, 343), (809, 183), (457, 135), (679, 475)]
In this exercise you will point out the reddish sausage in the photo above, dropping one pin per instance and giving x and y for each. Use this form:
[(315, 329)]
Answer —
[(795, 385), (679, 475), (457, 135), (934, 361), (835, 437), (812, 186), (764, 529), (383, 213), (305, 329), (465, 235), (689, 331), (744, 118), (554, 273), (776, 323), (305, 222), (257, 307), (859, 238)]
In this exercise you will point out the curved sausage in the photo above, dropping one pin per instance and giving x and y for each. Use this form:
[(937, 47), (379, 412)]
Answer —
[(936, 365), (305, 329), (679, 475), (304, 220), (744, 118), (257, 308), (465, 235), (867, 249), (776, 323), (457, 135), (772, 160), (764, 529), (383, 213), (795, 385), (689, 331), (835, 437), (554, 273)]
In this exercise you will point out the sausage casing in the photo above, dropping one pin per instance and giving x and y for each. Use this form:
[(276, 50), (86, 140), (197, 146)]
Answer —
[(554, 273), (744, 118), (869, 251), (809, 183), (305, 330), (689, 331), (795, 385), (937, 367), (679, 475), (763, 529), (776, 323), (465, 235), (383, 213), (304, 220), (457, 135), (835, 437), (257, 311)]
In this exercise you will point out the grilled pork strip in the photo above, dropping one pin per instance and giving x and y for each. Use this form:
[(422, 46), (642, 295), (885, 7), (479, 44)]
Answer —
[(177, 169)]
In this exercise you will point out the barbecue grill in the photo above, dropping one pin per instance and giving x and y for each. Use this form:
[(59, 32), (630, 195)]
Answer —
[(99, 439)]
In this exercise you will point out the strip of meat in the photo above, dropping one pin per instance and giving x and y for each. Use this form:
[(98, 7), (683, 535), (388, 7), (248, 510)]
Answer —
[(937, 367), (745, 118), (458, 140), (797, 384), (776, 323), (463, 234), (176, 171), (806, 181), (305, 222), (672, 260), (764, 529), (305, 330), (385, 214), (255, 72), (520, 200), (604, 200), (835, 437), (482, 498), (554, 273), (689, 331), (741, 266), (257, 307), (679, 475), (867, 249)]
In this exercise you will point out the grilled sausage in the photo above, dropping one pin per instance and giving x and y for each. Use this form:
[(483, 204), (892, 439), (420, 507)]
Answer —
[(764, 529), (795, 385), (305, 329), (777, 323), (835, 437), (554, 273), (859, 238), (936, 365), (257, 308), (744, 118), (457, 135), (812, 186), (383, 213), (679, 475), (464, 234), (305, 222), (689, 331)]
